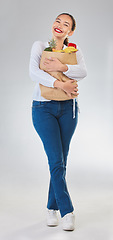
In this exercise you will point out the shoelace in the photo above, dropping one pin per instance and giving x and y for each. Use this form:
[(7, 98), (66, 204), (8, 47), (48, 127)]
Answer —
[(52, 213)]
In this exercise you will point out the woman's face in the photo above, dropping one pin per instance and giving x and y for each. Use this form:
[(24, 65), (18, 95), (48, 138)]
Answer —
[(62, 26)]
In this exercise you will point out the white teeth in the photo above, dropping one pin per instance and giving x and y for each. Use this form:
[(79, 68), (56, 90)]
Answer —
[(58, 30)]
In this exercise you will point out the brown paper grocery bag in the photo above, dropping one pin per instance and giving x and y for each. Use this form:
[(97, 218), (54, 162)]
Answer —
[(55, 93)]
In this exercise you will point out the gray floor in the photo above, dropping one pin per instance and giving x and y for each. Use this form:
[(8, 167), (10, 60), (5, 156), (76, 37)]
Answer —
[(23, 214)]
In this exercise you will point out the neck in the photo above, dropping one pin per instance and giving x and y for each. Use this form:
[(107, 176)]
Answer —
[(59, 43)]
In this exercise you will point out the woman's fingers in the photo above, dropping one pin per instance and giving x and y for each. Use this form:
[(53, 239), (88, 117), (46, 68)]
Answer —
[(69, 95), (74, 82), (75, 93), (48, 60)]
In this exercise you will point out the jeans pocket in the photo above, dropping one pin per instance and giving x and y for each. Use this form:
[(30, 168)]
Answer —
[(39, 104), (71, 102)]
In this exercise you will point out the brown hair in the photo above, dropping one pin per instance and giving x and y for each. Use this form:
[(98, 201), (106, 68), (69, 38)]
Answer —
[(66, 41)]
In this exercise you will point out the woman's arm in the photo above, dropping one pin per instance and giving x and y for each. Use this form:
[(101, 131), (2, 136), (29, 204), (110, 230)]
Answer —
[(76, 72), (79, 70), (36, 74), (68, 87)]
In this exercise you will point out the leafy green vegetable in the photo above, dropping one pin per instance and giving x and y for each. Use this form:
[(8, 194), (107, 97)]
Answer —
[(48, 49)]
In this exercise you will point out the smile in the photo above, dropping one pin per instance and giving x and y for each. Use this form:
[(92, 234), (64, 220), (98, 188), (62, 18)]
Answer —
[(57, 30)]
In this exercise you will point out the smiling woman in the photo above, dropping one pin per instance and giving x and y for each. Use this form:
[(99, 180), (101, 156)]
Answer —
[(62, 24), (53, 120)]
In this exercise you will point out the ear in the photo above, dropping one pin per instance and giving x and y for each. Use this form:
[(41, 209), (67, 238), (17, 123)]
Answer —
[(70, 33)]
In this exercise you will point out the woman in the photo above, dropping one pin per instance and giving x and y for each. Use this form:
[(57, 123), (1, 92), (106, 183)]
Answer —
[(53, 120)]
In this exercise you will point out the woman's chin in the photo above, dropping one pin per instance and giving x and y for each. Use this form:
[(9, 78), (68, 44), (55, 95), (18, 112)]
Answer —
[(56, 34)]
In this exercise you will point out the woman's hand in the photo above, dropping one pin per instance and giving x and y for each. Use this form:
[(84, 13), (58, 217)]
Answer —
[(70, 87), (53, 65)]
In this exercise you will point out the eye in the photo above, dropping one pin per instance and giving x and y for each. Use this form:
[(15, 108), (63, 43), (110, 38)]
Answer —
[(66, 25), (58, 21)]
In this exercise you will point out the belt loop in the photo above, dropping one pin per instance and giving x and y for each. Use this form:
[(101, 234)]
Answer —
[(73, 107)]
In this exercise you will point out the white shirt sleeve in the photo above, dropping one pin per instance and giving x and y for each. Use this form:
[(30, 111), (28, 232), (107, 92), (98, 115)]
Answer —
[(77, 71), (36, 74)]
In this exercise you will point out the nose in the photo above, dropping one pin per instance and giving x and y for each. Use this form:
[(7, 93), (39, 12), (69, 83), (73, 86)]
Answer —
[(59, 25)]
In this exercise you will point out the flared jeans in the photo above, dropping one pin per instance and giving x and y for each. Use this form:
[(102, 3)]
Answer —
[(55, 125)]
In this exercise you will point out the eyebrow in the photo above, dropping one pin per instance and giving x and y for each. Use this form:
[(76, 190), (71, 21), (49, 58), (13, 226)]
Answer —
[(60, 20), (67, 23)]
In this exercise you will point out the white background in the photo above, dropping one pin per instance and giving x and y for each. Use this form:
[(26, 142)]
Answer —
[(24, 174)]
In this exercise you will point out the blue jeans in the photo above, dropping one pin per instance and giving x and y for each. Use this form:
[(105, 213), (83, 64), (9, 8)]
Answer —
[(55, 125)]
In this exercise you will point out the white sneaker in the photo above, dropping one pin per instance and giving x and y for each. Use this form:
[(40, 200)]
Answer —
[(69, 222), (52, 219)]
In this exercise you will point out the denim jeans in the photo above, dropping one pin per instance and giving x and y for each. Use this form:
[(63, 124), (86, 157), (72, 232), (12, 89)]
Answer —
[(55, 125)]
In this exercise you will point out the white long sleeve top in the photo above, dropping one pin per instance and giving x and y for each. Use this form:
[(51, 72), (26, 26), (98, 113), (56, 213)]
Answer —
[(37, 75)]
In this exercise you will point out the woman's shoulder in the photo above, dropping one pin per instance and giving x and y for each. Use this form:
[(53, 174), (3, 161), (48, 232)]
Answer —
[(39, 44), (38, 47)]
